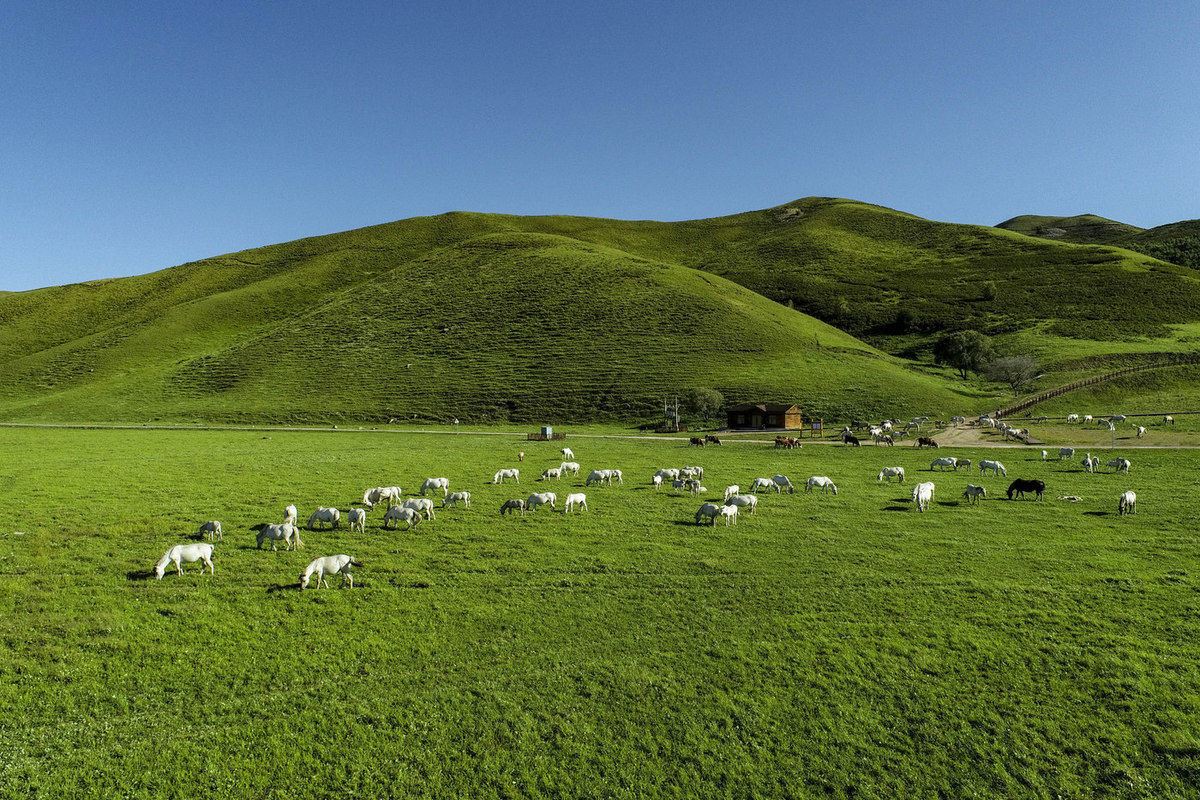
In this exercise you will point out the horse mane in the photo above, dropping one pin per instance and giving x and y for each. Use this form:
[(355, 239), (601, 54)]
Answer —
[(162, 562)]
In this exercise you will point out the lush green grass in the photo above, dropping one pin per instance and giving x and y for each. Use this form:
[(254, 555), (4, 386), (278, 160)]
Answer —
[(831, 646)]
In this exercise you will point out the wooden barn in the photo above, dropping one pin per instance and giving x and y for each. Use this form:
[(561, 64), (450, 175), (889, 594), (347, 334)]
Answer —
[(765, 415)]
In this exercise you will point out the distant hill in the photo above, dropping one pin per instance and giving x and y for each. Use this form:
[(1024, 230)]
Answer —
[(492, 317), (1081, 229)]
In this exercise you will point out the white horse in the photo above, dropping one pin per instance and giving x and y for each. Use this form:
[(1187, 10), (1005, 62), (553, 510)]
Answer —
[(730, 491), (325, 515), (1141, 431), (513, 505), (1072, 418), (822, 481), (575, 500), (749, 501), (1125, 505), (995, 467), (657, 481), (570, 466), (499, 477), (330, 565), (357, 517), (1045, 455), (1168, 420), (672, 474), (551, 472), (433, 484), (1119, 464), (289, 514), (1118, 418), (379, 494), (710, 511), (947, 461), (567, 453), (186, 553), (693, 486), (782, 482), (763, 483), (286, 532), (211, 530), (398, 514), (974, 493), (1091, 463), (1066, 452), (692, 472), (1086, 418), (730, 512), (598, 477), (922, 495), (422, 505), (891, 472), (454, 498), (541, 499), (615, 473)]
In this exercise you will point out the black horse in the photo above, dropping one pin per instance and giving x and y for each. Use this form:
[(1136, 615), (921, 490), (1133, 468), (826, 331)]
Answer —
[(1020, 486)]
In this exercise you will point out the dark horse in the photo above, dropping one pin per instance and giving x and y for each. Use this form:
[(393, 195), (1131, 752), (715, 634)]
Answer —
[(696, 441), (1020, 486), (926, 441), (847, 439)]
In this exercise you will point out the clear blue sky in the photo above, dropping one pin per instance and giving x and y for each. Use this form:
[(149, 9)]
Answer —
[(135, 135)]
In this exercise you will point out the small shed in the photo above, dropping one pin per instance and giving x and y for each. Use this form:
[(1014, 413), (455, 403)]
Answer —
[(765, 415)]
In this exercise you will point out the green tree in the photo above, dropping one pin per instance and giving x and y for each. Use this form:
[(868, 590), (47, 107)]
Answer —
[(705, 403), (964, 350), (1016, 371)]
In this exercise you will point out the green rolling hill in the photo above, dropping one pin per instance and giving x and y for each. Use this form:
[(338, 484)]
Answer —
[(495, 318)]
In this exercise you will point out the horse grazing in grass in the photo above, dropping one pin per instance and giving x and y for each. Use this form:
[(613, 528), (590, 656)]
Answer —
[(712, 440), (1125, 505), (1021, 485), (211, 530), (499, 477), (433, 484), (285, 532), (357, 517), (186, 553), (325, 515), (974, 493), (891, 472), (696, 441), (922, 495), (926, 441), (330, 565)]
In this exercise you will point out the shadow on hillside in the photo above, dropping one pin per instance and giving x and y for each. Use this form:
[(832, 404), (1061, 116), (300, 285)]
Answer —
[(140, 574), (908, 507), (1099, 513)]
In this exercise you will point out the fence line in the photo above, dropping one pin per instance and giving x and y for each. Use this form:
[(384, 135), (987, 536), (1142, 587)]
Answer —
[(1172, 360)]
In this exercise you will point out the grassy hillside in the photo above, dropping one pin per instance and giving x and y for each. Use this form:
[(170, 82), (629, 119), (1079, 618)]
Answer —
[(387, 324), (494, 317), (1080, 229)]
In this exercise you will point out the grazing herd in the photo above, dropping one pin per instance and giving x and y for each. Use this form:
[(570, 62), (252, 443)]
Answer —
[(413, 510)]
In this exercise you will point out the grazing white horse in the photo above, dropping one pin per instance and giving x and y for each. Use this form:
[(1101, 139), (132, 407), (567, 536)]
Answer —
[(1087, 418), (397, 514), (693, 486), (1044, 455), (615, 473), (974, 493), (730, 512), (329, 565), (922, 495), (570, 466), (1168, 420), (948, 461), (598, 477), (433, 484), (568, 453), (289, 514), (1119, 464), (499, 477), (822, 481), (1066, 452), (357, 517), (211, 530), (1072, 418), (692, 472), (749, 501), (995, 467), (422, 505), (551, 472), (891, 472), (763, 483), (379, 494), (1125, 505), (575, 500), (286, 532), (454, 498), (710, 511), (730, 491), (186, 553), (1091, 463), (782, 482), (512, 505), (1141, 431), (672, 474), (541, 499), (1118, 418), (657, 481), (325, 515)]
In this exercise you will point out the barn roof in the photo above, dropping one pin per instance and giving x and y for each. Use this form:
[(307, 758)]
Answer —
[(766, 408)]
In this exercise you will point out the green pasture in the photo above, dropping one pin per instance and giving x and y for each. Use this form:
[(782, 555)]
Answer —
[(830, 646)]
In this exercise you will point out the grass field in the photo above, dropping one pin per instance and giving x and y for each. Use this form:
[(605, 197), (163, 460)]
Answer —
[(831, 646)]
